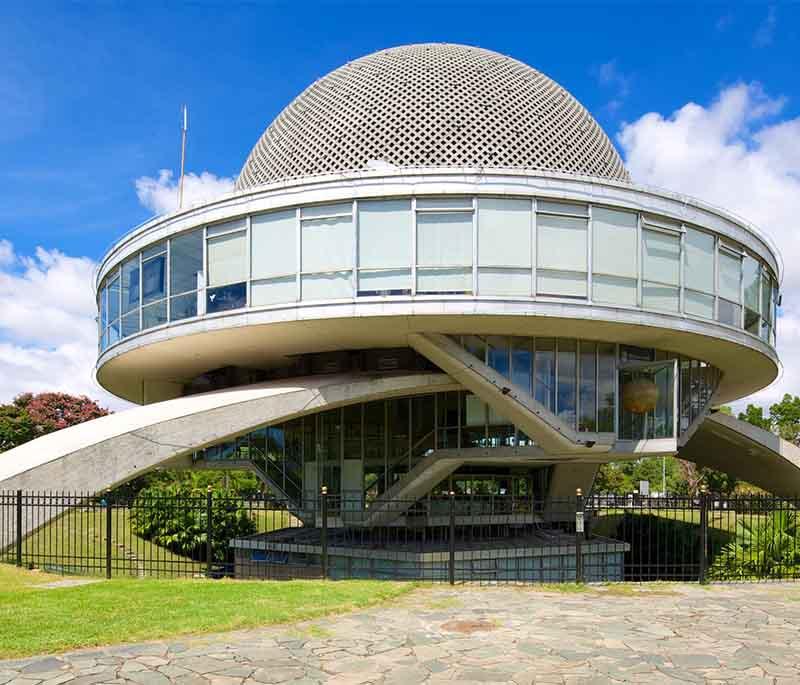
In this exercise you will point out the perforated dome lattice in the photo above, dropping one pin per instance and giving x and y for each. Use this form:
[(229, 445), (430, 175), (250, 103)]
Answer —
[(432, 105)]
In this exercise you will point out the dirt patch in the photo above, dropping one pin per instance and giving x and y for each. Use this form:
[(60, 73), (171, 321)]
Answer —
[(468, 627)]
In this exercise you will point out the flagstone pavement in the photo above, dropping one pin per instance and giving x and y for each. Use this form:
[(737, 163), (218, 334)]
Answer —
[(521, 635)]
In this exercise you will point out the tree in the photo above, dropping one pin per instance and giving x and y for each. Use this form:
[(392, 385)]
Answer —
[(785, 418), (755, 415), (52, 411), (30, 416), (16, 426)]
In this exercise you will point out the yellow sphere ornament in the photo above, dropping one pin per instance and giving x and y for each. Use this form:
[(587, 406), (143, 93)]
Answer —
[(639, 396)]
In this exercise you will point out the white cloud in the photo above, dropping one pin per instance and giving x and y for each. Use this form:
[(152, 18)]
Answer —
[(48, 335), (160, 195), (610, 77), (734, 154)]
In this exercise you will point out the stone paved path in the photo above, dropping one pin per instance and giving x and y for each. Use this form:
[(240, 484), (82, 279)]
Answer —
[(670, 634)]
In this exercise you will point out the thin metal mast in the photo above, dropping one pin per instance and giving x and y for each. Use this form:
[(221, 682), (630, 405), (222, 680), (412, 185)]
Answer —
[(184, 129)]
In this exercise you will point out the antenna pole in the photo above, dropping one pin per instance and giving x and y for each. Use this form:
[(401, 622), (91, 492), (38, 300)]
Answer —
[(184, 129)]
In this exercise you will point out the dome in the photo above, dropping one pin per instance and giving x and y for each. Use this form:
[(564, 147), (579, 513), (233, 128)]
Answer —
[(432, 105)]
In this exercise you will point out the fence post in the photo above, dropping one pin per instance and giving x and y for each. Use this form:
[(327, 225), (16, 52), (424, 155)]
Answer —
[(579, 535), (108, 534), (19, 527), (324, 531), (451, 541), (703, 536), (209, 532)]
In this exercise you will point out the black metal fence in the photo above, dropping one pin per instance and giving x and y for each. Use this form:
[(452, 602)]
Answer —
[(454, 538)]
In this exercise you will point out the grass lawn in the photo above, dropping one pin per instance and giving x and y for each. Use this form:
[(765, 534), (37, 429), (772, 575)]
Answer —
[(35, 620), (75, 543)]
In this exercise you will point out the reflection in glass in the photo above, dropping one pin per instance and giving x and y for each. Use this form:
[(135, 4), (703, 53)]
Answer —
[(567, 378), (588, 387), (130, 285), (185, 262), (521, 362), (606, 386), (226, 297), (153, 282), (374, 449), (545, 372), (498, 354)]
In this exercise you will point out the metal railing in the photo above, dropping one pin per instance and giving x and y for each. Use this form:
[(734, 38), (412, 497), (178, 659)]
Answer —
[(450, 538)]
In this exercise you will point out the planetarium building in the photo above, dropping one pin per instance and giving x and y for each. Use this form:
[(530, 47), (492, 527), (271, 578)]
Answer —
[(435, 274)]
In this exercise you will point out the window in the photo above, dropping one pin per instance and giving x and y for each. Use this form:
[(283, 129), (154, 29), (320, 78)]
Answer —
[(545, 372), (327, 251), (130, 285), (153, 279), (606, 386), (567, 372), (730, 280), (273, 257), (444, 245), (587, 420), (698, 270), (504, 247), (614, 256), (185, 274), (660, 270), (751, 278), (561, 253), (521, 360), (227, 267), (384, 247), (498, 354)]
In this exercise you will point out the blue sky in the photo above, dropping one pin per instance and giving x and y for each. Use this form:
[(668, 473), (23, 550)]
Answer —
[(93, 89), (700, 98)]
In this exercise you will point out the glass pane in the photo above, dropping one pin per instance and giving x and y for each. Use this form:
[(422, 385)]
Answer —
[(423, 413), (183, 306), (330, 286), (521, 362), (130, 285), (327, 210), (374, 449), (511, 282), (698, 261), (130, 324), (561, 243), (444, 239), (221, 299), (388, 282), (730, 276), (154, 250), (752, 321), (751, 278), (614, 242), (331, 449), (398, 439), (659, 297), (606, 386), (562, 208), (327, 244), (113, 332), (498, 354), (766, 289), (185, 262), (729, 313), (614, 290), (273, 244), (504, 232), (432, 281), (113, 299), (274, 291), (545, 372), (447, 410), (227, 259), (384, 234), (103, 305), (588, 387), (699, 304), (475, 345), (560, 283), (228, 226), (661, 257), (567, 380), (153, 279), (154, 314), (647, 403), (444, 203)]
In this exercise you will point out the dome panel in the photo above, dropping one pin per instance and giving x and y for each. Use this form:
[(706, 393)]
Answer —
[(432, 105)]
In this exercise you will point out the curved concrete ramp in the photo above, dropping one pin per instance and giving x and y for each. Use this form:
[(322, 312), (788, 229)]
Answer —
[(105, 452), (750, 453)]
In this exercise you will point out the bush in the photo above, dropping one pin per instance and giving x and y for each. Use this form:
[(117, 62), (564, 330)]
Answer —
[(765, 547), (175, 517)]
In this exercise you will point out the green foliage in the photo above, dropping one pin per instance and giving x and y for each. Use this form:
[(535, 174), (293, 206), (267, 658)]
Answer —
[(16, 426), (785, 418), (622, 477), (765, 546), (175, 517), (755, 415)]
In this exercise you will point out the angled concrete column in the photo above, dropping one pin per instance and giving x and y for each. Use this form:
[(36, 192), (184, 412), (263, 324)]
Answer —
[(565, 479), (100, 454), (755, 455), (546, 429)]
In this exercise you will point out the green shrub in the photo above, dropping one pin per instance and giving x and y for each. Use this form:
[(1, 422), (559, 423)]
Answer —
[(175, 517), (765, 546)]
